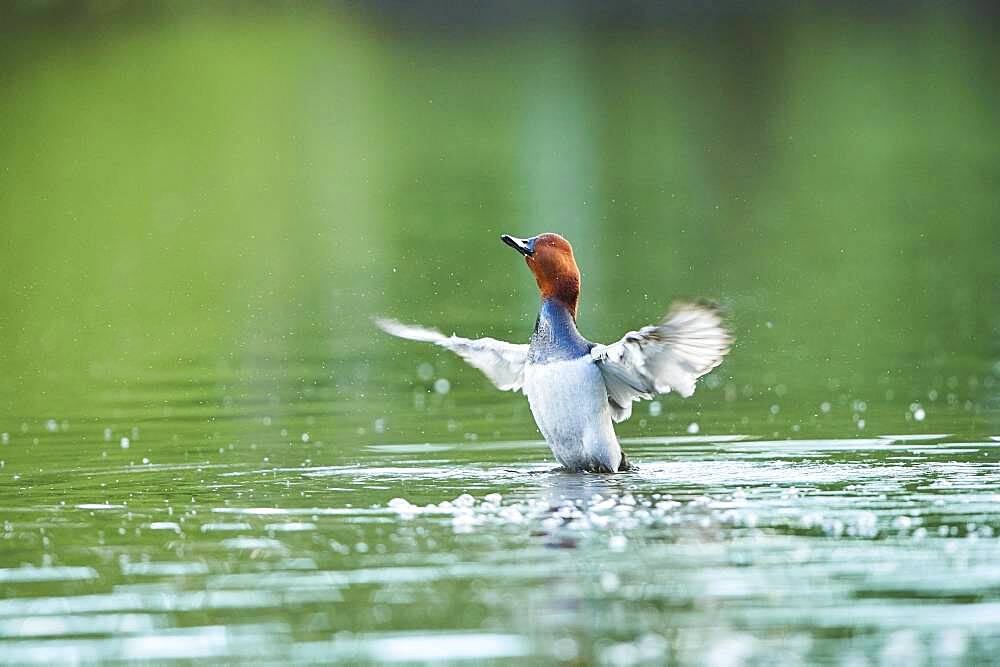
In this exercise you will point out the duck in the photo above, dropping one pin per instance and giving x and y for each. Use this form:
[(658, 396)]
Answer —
[(577, 389)]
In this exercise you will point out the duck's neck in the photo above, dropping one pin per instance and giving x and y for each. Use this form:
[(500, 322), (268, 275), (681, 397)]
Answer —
[(564, 289), (556, 336)]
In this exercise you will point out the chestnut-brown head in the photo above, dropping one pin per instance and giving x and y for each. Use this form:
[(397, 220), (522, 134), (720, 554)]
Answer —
[(550, 258)]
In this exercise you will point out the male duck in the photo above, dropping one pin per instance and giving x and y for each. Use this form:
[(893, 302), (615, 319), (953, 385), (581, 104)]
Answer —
[(577, 388)]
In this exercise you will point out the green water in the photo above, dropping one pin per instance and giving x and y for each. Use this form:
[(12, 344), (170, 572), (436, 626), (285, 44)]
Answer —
[(208, 453)]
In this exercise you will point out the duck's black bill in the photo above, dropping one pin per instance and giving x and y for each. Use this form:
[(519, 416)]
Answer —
[(524, 246)]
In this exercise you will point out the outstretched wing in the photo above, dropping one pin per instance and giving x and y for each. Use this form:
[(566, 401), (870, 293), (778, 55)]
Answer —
[(691, 340), (502, 362)]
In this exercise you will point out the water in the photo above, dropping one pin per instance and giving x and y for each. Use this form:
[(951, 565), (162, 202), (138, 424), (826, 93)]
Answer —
[(719, 549), (207, 452)]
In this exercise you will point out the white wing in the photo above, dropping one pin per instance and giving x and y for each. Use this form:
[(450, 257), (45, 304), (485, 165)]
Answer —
[(690, 341), (502, 362)]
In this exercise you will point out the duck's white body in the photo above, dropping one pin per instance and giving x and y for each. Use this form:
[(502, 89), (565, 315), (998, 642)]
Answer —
[(569, 401)]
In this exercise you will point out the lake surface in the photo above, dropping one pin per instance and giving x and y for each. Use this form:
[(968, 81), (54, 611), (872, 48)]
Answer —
[(207, 452)]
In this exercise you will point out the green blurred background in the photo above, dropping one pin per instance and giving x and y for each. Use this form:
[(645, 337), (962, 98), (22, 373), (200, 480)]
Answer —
[(207, 451), (203, 204)]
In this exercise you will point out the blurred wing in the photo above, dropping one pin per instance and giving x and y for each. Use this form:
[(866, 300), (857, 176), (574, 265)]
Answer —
[(503, 363), (690, 341)]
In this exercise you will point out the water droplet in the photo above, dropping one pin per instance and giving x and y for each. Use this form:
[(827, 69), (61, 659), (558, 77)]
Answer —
[(565, 649), (425, 371), (511, 515), (442, 386), (399, 504)]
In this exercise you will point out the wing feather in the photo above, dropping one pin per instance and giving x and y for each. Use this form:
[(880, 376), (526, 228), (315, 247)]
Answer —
[(502, 362), (691, 340)]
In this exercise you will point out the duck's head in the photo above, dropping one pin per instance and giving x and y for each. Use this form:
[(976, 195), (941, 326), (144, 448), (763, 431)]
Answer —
[(550, 258)]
